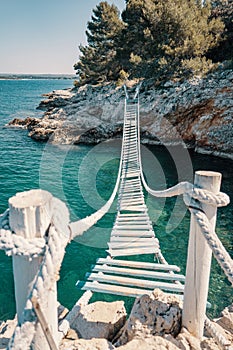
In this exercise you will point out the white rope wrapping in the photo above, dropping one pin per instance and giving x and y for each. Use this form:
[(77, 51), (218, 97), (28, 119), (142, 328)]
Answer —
[(224, 343), (47, 275), (18, 245), (214, 243)]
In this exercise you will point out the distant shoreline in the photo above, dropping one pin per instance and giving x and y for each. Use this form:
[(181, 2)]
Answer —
[(5, 76)]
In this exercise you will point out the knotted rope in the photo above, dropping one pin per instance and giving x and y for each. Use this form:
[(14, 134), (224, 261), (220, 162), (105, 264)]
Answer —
[(18, 245), (204, 196)]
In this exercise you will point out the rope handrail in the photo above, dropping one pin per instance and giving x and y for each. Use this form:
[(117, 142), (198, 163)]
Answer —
[(189, 192), (79, 227)]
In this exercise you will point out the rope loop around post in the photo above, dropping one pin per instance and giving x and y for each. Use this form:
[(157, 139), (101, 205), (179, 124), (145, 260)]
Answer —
[(18, 245)]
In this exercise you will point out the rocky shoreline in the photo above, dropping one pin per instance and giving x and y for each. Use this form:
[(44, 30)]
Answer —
[(197, 113), (154, 323)]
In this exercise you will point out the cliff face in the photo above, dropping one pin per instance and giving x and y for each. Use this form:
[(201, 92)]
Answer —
[(198, 113)]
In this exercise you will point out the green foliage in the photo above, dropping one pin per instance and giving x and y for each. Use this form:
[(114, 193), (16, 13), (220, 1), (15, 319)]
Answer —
[(98, 62), (155, 38), (169, 33)]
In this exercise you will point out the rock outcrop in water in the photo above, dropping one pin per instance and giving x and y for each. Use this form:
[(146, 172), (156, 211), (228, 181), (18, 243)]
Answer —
[(198, 112)]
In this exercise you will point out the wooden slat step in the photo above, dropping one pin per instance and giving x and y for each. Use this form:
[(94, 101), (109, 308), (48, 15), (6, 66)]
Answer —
[(132, 233), (138, 264), (129, 193), (133, 219), (111, 289), (132, 208), (134, 282), (139, 273), (130, 244), (133, 227), (132, 202), (132, 251), (130, 187), (133, 239), (130, 215), (131, 199)]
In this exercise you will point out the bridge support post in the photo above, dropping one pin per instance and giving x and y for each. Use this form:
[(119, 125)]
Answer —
[(199, 260), (30, 216)]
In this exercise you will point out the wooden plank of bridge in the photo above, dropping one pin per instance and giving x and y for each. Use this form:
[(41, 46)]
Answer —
[(138, 273), (138, 264), (134, 282), (116, 290)]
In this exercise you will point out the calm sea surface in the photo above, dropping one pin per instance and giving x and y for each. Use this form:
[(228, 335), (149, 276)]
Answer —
[(84, 177)]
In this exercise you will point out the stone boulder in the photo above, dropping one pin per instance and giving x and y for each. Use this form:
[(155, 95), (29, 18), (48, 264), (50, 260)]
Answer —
[(226, 319), (100, 320), (154, 314), (83, 344), (27, 123), (152, 343)]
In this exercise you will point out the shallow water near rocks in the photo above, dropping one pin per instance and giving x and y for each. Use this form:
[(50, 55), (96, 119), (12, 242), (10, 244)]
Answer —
[(84, 178)]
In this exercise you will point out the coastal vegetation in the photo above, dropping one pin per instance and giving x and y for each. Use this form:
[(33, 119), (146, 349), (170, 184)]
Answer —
[(155, 39)]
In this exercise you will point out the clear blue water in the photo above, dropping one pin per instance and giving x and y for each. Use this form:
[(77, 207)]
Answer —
[(69, 172)]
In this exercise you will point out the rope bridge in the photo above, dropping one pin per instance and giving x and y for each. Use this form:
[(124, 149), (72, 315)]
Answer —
[(132, 232), (36, 227)]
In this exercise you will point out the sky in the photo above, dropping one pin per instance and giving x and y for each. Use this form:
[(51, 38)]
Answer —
[(42, 36)]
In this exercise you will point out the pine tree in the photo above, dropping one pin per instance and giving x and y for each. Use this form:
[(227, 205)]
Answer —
[(170, 36), (98, 61)]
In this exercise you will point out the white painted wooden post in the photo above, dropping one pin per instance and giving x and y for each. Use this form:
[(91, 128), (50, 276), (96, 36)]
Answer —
[(199, 260), (30, 215)]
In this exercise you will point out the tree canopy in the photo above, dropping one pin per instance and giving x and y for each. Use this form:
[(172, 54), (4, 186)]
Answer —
[(152, 38)]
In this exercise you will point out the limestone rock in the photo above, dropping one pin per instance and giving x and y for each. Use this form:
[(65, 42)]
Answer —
[(209, 344), (83, 344), (154, 314), (196, 112), (186, 341), (28, 122), (226, 319), (152, 343), (100, 320)]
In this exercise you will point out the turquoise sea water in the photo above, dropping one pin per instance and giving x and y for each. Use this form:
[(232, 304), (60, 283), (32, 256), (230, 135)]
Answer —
[(84, 177)]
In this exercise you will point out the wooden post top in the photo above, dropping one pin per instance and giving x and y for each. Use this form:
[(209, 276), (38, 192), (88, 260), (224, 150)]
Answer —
[(30, 213), (32, 198), (209, 180)]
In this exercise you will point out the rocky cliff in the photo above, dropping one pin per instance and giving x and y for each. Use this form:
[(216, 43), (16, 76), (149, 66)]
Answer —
[(198, 113)]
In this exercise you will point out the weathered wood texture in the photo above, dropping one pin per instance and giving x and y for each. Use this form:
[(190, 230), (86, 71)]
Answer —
[(199, 260), (30, 216)]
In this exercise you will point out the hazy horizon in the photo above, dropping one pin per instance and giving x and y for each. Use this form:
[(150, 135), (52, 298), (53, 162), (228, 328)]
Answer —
[(43, 37)]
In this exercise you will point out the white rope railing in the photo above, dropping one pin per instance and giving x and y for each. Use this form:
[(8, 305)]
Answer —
[(79, 227), (190, 192)]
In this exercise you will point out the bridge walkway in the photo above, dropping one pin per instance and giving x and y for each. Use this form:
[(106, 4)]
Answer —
[(132, 233)]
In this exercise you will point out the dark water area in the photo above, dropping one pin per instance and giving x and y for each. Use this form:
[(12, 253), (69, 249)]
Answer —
[(84, 178)]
